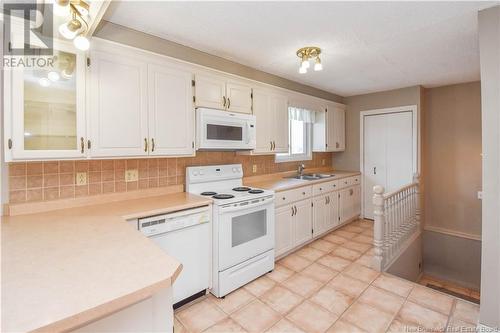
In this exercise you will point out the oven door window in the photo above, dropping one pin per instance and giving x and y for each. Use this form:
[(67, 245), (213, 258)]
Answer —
[(246, 228), (224, 132)]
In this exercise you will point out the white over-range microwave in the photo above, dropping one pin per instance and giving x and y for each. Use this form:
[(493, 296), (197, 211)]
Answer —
[(223, 130)]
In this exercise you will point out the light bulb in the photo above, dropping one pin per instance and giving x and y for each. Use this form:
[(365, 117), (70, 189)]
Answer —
[(44, 82), (66, 32), (61, 8), (302, 70), (53, 76), (67, 73), (305, 63), (81, 43), (318, 66)]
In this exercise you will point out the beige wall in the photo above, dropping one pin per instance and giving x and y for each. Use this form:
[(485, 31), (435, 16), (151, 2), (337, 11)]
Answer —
[(453, 157), (127, 36), (349, 159)]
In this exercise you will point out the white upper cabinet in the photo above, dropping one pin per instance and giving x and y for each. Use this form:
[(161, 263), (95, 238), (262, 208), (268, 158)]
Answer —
[(271, 110), (216, 92), (118, 105), (171, 111), (45, 108), (329, 129)]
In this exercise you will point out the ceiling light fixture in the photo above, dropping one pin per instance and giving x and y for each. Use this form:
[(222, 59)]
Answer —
[(78, 25), (306, 54)]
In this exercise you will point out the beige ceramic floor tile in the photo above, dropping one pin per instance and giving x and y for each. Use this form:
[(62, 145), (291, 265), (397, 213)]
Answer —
[(381, 299), (368, 233), (259, 286), (281, 299), (431, 299), (178, 327), (319, 272), (295, 262), (345, 234), (416, 314), (226, 325), (353, 228), (332, 300), (363, 239), (256, 316), (466, 311), (334, 262), (233, 301), (365, 260), (322, 245), (302, 285), (335, 239), (361, 273), (348, 285), (280, 273), (311, 317), (356, 246), (284, 326), (346, 253), (310, 253), (397, 326), (393, 284), (200, 316), (457, 325), (342, 326), (367, 317)]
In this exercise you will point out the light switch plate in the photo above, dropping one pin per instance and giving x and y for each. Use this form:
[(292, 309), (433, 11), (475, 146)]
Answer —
[(131, 175), (480, 195), (81, 178), (323, 162), (254, 168)]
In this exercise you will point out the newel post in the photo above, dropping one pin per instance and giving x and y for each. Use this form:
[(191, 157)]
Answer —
[(416, 179), (378, 228)]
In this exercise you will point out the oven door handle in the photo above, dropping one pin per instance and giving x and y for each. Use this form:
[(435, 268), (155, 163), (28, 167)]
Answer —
[(231, 208)]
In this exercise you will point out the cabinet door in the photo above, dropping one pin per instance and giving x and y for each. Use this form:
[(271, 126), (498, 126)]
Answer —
[(333, 209), (303, 222), (45, 108), (320, 215), (239, 97), (118, 105), (264, 118), (283, 229), (171, 111), (356, 200), (339, 129), (279, 108), (210, 91), (344, 205), (331, 136)]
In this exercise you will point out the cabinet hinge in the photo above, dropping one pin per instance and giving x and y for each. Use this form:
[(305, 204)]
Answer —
[(10, 47), (312, 231), (312, 205), (339, 218), (88, 62), (193, 83), (194, 99), (192, 144), (89, 144), (326, 144), (251, 95), (9, 143), (326, 110)]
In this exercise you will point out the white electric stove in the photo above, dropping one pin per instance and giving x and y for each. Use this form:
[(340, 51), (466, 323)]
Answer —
[(243, 225)]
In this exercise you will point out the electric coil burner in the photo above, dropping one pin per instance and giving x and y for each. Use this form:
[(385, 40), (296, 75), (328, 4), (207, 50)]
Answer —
[(255, 191), (242, 189), (208, 193), (223, 196)]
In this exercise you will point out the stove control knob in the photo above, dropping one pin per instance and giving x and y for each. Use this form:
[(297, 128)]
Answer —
[(239, 169), (234, 169), (195, 173), (201, 173)]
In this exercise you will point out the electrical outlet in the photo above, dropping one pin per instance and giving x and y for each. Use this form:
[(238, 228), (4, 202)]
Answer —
[(323, 162), (81, 178), (254, 168), (131, 175), (480, 195)]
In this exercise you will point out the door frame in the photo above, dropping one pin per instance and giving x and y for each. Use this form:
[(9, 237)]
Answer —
[(415, 138)]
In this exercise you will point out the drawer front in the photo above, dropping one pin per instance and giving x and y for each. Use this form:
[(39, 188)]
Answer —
[(356, 180), (349, 181), (286, 197), (323, 188)]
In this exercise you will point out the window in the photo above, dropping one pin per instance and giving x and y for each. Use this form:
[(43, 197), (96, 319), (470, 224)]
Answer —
[(299, 135)]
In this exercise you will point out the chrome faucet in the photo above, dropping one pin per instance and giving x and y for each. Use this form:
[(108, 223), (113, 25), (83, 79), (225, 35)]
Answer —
[(300, 171)]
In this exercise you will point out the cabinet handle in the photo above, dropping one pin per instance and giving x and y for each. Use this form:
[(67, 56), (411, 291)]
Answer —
[(152, 144), (293, 212), (295, 209), (326, 200), (351, 191), (271, 143), (303, 193), (336, 144), (228, 102), (374, 170), (224, 101), (274, 145), (145, 144), (82, 145)]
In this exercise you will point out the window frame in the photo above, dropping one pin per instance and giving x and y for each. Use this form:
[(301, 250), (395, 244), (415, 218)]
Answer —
[(306, 156)]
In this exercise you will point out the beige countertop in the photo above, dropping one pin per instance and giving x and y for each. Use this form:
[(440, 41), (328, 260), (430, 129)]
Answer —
[(64, 268), (277, 182)]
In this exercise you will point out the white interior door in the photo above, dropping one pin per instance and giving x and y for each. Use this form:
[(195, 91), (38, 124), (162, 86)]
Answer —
[(388, 153)]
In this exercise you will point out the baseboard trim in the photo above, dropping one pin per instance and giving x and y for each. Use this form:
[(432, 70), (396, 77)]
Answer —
[(453, 233)]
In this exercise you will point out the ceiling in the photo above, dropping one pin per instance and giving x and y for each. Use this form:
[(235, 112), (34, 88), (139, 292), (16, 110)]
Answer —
[(366, 46)]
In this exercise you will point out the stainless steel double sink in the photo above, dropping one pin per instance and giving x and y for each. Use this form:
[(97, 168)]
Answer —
[(312, 176)]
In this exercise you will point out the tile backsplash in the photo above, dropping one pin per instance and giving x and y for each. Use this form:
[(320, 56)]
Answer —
[(44, 181)]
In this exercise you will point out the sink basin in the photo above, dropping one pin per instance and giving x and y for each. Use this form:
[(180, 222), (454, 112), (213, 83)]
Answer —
[(312, 176)]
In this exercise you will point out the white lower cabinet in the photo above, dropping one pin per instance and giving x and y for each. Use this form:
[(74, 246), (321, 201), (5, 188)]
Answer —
[(300, 218)]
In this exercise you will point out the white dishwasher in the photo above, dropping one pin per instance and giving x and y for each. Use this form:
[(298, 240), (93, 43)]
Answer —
[(186, 236)]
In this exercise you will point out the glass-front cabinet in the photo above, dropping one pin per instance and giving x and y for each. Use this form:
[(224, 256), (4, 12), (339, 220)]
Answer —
[(45, 106)]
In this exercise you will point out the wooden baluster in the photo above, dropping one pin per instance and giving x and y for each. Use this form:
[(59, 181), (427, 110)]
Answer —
[(416, 179), (379, 227)]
